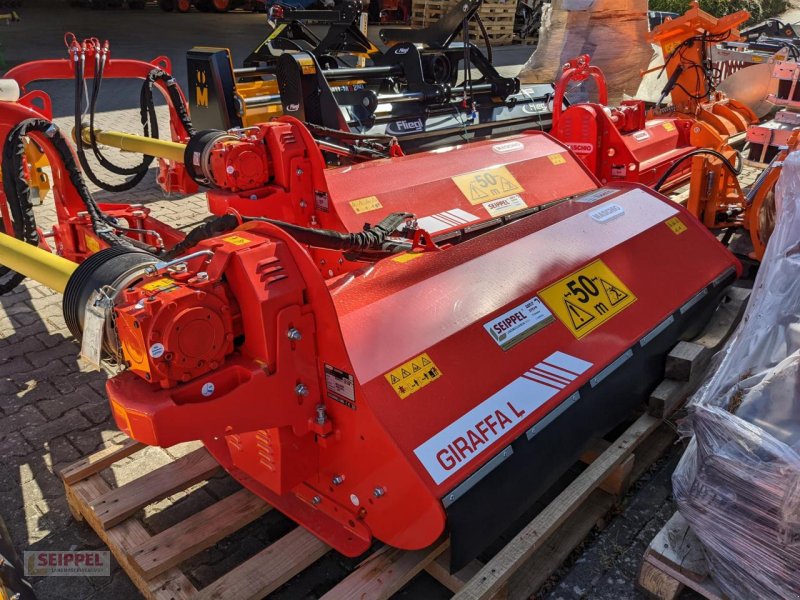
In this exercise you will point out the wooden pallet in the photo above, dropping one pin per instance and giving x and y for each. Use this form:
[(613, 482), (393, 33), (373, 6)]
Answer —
[(675, 560), (153, 561), (497, 17)]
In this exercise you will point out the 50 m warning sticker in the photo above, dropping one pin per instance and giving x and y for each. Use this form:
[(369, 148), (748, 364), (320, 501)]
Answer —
[(487, 185), (587, 298), (412, 376)]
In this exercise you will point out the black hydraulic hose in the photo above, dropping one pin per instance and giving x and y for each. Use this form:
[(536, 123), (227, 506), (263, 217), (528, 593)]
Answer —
[(485, 36), (176, 99), (719, 155), (372, 237)]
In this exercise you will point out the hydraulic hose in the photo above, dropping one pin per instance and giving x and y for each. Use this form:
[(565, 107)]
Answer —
[(719, 155)]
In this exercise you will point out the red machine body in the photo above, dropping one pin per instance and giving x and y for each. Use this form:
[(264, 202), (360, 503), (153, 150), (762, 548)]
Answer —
[(624, 143), (362, 400)]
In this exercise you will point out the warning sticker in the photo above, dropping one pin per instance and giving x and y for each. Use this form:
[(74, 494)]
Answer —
[(669, 126), (557, 159), (487, 185), (236, 240), (367, 204), (92, 245), (414, 375), (520, 322), (587, 298), (503, 206), (276, 32), (340, 386), (159, 284), (676, 225), (407, 257)]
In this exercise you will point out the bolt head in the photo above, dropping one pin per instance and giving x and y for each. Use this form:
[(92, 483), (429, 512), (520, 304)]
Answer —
[(301, 389), (337, 480), (378, 492), (294, 334), (316, 500)]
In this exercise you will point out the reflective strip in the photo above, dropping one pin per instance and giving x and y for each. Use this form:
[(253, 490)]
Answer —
[(473, 479), (552, 415), (655, 332), (694, 300), (611, 368)]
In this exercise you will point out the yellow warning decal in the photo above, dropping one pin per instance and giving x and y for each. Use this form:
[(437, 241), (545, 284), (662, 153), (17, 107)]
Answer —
[(487, 185), (236, 240), (557, 159), (587, 298), (276, 32), (367, 204), (669, 126), (92, 245), (407, 257), (414, 375), (676, 225), (306, 65), (159, 284)]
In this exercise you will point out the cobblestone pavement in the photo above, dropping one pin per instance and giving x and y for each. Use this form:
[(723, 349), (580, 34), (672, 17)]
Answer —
[(53, 410)]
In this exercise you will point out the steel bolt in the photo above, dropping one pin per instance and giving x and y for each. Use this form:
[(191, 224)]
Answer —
[(301, 390), (316, 500), (337, 480), (322, 414), (299, 172), (451, 497), (294, 335), (378, 492), (202, 276)]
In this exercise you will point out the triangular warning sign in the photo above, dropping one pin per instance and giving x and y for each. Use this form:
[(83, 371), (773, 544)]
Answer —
[(505, 184), (404, 373), (394, 379), (476, 193), (615, 295), (425, 362), (415, 367), (578, 316)]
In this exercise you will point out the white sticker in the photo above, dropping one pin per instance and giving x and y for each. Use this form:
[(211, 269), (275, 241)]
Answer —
[(207, 389), (641, 136), (446, 220), (157, 350), (522, 321), (595, 195), (341, 386), (462, 441), (507, 147), (580, 148), (606, 212), (503, 206)]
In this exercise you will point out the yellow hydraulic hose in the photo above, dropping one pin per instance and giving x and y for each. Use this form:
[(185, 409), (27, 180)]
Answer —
[(40, 265), (137, 143)]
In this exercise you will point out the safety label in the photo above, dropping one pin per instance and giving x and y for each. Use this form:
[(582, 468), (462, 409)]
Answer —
[(557, 159), (407, 257), (159, 284), (503, 206), (487, 185), (669, 126), (465, 439), (587, 298), (92, 245), (367, 204), (276, 32), (676, 225), (236, 240), (520, 322), (414, 375), (340, 386)]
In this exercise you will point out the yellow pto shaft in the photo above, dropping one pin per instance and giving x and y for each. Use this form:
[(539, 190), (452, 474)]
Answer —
[(139, 144), (33, 262)]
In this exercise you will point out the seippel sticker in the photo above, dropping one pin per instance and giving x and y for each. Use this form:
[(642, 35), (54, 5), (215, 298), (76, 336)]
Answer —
[(587, 298), (340, 386), (518, 323), (367, 204), (503, 206), (412, 376), (676, 225), (489, 184)]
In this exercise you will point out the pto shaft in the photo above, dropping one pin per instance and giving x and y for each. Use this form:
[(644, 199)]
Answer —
[(127, 142), (37, 264)]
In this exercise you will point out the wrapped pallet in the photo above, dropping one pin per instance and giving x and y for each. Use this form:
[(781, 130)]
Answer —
[(613, 32), (738, 485)]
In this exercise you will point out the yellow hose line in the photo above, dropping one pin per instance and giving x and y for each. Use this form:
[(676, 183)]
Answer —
[(138, 143), (40, 265)]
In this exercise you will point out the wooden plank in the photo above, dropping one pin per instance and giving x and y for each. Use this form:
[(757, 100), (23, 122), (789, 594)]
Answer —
[(439, 569), (619, 479), (678, 546), (120, 503), (535, 571), (269, 569), (683, 361), (171, 585), (94, 463), (196, 533), (384, 573), (657, 584), (707, 588), (500, 568)]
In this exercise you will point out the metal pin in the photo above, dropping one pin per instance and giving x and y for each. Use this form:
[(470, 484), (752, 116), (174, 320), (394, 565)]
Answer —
[(294, 335), (322, 414)]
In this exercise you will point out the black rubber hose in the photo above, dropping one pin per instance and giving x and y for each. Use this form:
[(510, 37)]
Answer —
[(173, 90), (202, 232), (673, 166), (485, 36)]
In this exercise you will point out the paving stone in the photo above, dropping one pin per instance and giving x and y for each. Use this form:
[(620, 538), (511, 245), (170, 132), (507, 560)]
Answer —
[(46, 357), (58, 405), (14, 365), (14, 445), (26, 417), (71, 421)]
